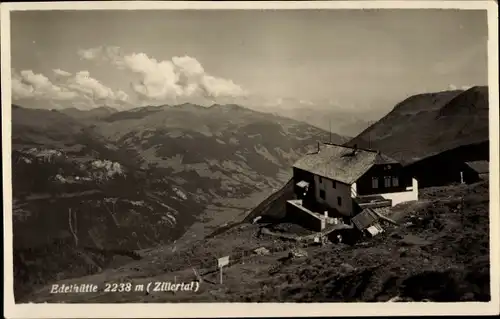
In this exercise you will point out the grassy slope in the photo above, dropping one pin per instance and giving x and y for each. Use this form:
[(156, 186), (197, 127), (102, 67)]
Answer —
[(438, 252)]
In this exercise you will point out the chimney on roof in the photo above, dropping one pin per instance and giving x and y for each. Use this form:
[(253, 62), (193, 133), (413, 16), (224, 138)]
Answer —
[(318, 147), (353, 151)]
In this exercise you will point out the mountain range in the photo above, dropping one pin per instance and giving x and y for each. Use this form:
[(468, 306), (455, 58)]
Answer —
[(96, 186)]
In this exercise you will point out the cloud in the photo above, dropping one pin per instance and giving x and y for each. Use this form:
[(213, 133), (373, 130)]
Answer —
[(108, 53), (61, 72), (463, 87), (81, 89), (92, 90), (176, 80), (89, 54), (21, 90), (218, 87), (306, 102), (27, 84), (121, 96), (83, 83), (180, 78)]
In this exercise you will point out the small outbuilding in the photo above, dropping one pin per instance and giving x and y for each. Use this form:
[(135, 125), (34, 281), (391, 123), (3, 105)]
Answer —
[(475, 171), (262, 251), (367, 222), (365, 219)]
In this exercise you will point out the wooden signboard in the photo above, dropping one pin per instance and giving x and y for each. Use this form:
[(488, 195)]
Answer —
[(224, 261)]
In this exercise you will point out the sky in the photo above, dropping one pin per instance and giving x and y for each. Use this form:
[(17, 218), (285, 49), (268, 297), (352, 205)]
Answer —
[(349, 59)]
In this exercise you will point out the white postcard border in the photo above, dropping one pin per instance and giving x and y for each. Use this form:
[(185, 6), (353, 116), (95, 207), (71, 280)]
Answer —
[(180, 310)]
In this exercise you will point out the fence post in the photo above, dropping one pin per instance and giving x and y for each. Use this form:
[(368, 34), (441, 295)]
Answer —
[(221, 275)]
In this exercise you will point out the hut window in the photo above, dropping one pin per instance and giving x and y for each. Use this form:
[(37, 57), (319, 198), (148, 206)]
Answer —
[(387, 181), (322, 194), (395, 181), (339, 201), (374, 182), (334, 184), (320, 179)]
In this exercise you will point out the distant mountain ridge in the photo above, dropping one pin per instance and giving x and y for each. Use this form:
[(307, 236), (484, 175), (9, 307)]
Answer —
[(342, 122), (92, 114), (427, 124)]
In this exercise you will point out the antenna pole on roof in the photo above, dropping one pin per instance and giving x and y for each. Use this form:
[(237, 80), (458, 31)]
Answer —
[(330, 124), (370, 138)]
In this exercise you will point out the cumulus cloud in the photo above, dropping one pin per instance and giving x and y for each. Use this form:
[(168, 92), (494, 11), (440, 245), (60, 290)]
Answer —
[(83, 83), (121, 96), (218, 87), (463, 87), (81, 88), (176, 80), (27, 84), (108, 53), (61, 72), (91, 89), (21, 90), (88, 54), (306, 102), (181, 77)]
